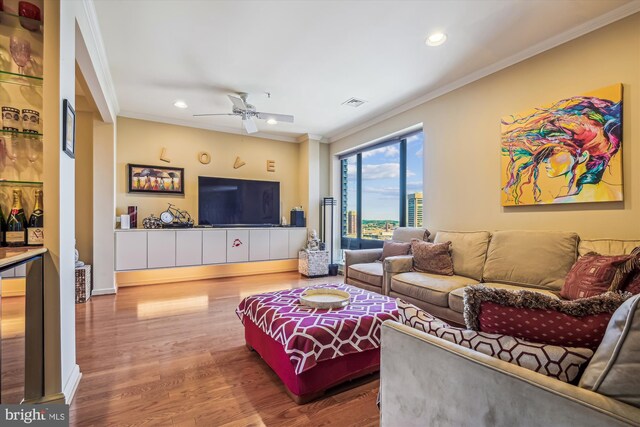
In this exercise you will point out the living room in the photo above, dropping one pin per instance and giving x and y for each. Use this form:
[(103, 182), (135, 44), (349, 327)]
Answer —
[(310, 213)]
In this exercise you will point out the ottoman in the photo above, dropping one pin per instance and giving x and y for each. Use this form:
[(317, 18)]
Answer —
[(312, 350)]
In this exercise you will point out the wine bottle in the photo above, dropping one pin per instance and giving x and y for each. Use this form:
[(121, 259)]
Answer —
[(3, 227), (16, 222), (35, 230)]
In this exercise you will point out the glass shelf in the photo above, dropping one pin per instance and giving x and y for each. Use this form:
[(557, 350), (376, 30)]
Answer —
[(21, 183), (20, 79), (26, 134), (20, 22)]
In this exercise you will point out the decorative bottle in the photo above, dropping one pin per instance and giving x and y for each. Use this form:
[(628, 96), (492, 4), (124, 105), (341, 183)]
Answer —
[(16, 222), (3, 227), (35, 231)]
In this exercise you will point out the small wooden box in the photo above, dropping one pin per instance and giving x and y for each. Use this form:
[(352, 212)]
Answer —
[(313, 263), (83, 284)]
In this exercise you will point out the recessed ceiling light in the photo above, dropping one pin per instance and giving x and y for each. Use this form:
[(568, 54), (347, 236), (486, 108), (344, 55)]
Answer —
[(272, 121), (436, 39), (180, 104)]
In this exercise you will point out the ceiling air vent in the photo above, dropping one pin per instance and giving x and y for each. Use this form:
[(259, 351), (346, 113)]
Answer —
[(354, 102)]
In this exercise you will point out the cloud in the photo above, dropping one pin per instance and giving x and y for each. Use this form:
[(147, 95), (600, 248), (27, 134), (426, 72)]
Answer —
[(388, 151), (382, 190), (381, 171), (420, 152)]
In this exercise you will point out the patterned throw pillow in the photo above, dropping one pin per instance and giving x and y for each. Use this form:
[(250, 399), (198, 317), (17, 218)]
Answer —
[(432, 257), (629, 274), (593, 274), (562, 363), (391, 248), (540, 318)]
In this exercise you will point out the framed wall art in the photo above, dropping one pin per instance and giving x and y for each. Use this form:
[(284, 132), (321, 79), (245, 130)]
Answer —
[(566, 152), (68, 129), (155, 179)]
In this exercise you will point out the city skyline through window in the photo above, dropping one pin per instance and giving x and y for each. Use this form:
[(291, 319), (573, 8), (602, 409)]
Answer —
[(386, 174)]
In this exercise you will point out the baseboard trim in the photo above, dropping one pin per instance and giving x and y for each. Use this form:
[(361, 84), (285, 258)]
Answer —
[(108, 291), (57, 398), (71, 386)]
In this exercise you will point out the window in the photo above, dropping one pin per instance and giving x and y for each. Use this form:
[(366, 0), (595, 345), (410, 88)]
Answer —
[(381, 190)]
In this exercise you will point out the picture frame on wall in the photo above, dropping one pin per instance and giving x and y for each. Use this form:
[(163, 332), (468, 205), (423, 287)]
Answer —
[(68, 129), (155, 179)]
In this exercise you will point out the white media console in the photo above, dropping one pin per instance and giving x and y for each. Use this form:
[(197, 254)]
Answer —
[(141, 249)]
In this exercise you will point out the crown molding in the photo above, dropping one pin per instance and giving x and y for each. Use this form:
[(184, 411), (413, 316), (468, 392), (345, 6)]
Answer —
[(571, 34), (190, 124), (101, 55)]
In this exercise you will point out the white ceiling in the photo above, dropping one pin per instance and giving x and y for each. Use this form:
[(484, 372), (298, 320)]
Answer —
[(314, 55)]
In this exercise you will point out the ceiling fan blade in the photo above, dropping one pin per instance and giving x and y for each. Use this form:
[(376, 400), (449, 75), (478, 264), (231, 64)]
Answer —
[(238, 102), (249, 125), (286, 118), (222, 114)]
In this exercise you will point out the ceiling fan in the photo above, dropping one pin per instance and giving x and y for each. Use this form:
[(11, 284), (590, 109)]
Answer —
[(248, 113)]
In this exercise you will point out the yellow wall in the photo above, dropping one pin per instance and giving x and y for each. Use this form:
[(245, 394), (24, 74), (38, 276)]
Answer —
[(84, 185), (462, 137), (142, 141)]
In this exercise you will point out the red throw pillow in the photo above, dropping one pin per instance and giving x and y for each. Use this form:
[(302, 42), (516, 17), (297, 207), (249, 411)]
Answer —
[(592, 275), (432, 257), (391, 248), (540, 318), (633, 283), (544, 326)]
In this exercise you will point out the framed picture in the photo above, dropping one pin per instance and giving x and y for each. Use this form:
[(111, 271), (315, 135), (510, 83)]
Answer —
[(155, 179), (68, 129), (569, 151)]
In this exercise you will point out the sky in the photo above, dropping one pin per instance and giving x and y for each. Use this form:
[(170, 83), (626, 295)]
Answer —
[(381, 179)]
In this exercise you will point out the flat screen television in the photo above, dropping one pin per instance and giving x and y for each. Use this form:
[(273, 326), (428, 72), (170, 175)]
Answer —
[(238, 202)]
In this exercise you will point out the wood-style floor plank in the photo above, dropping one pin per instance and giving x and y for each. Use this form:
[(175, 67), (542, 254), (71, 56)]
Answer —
[(174, 355)]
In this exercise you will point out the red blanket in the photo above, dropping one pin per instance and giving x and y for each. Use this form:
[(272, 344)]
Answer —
[(312, 335)]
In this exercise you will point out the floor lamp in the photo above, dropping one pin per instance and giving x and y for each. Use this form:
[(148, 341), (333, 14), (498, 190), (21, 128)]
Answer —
[(328, 204)]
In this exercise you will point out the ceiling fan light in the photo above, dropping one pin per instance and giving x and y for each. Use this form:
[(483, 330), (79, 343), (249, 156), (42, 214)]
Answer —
[(180, 104), (436, 39), (272, 121)]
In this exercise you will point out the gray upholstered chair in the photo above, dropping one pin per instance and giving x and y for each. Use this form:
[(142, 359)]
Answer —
[(362, 267)]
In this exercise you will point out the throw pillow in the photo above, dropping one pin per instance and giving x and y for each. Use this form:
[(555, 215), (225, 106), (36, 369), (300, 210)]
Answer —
[(432, 257), (629, 274), (615, 368), (391, 248), (593, 274), (562, 363), (536, 317)]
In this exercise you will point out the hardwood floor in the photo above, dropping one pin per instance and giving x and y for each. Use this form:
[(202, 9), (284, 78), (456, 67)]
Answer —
[(174, 354)]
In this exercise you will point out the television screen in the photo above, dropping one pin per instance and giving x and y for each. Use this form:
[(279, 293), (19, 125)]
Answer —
[(224, 201)]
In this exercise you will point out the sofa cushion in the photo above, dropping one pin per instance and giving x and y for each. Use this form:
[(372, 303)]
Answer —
[(562, 363), (536, 317), (614, 370), (607, 246), (431, 288), (468, 251), (594, 274), (539, 259), (456, 297), (370, 273), (432, 257), (405, 234), (391, 248)]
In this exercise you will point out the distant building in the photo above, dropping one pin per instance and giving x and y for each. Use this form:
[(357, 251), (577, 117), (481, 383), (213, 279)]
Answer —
[(414, 210), (352, 223)]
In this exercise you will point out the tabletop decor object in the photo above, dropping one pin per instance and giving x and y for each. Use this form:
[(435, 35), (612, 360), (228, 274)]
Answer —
[(325, 298)]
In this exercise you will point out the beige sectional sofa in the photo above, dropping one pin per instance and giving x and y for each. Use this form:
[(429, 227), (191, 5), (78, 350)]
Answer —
[(362, 268), (422, 374), (513, 259)]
